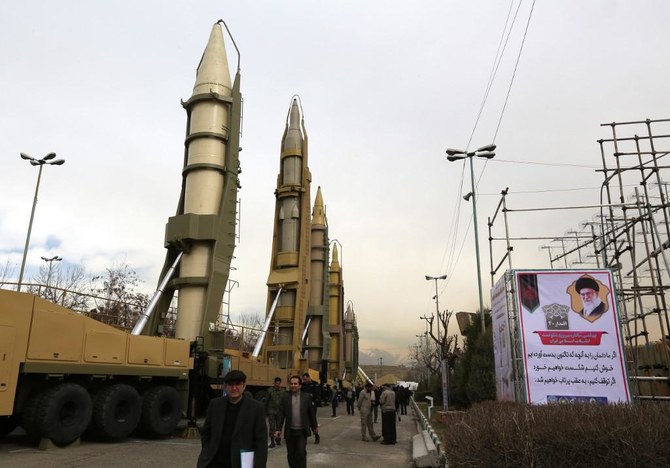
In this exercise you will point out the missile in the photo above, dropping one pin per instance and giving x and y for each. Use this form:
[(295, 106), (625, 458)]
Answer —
[(317, 311), (289, 265), (350, 341), (204, 225), (335, 309)]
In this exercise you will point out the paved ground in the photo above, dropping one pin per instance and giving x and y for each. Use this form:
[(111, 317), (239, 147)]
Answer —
[(341, 445)]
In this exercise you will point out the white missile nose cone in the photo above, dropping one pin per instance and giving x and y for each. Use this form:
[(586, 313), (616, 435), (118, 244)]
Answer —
[(213, 72), (294, 139), (294, 116)]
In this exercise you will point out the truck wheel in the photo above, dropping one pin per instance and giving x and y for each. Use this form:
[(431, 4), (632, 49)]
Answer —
[(64, 413), (7, 425), (116, 412), (161, 411), (29, 415)]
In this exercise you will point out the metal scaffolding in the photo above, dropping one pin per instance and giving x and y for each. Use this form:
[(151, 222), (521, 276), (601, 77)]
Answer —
[(628, 233)]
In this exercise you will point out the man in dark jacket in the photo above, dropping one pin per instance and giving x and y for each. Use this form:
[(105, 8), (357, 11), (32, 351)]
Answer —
[(297, 416), (234, 427)]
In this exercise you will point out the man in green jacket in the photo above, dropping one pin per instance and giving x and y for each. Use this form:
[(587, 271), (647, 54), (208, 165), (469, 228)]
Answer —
[(272, 403)]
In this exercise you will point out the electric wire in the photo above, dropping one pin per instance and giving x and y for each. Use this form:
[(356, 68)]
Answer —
[(494, 69), (516, 65)]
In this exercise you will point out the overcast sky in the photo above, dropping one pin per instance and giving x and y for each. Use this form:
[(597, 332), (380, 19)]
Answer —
[(386, 87)]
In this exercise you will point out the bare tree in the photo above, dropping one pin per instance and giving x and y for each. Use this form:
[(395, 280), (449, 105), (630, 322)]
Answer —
[(120, 302), (6, 272), (66, 286), (251, 325), (444, 345), (423, 354)]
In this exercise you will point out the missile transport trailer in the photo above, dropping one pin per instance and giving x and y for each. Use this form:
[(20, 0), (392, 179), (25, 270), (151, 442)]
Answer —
[(63, 373)]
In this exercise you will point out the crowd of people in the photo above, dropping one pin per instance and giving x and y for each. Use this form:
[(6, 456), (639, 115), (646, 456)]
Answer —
[(238, 427)]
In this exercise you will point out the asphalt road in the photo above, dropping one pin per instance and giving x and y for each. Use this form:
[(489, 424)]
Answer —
[(341, 445)]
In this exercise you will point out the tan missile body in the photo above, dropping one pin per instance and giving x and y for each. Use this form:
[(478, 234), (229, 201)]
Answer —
[(317, 313), (335, 307), (289, 265), (350, 342)]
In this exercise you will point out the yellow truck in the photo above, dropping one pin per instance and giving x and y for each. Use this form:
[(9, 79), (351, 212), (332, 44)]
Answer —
[(62, 373)]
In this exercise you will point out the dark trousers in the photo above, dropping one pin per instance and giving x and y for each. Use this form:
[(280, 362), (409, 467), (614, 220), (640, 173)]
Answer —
[(296, 448), (388, 427), (350, 406)]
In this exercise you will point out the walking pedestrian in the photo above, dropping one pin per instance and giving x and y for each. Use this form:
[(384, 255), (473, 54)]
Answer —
[(376, 393), (405, 394), (311, 387), (350, 397), (234, 425), (387, 404), (333, 400), (365, 410), (272, 402), (297, 417)]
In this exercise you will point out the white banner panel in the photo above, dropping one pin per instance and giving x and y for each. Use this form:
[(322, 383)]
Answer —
[(502, 345), (572, 347)]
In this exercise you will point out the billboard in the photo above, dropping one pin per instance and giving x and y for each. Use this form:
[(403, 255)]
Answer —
[(570, 336)]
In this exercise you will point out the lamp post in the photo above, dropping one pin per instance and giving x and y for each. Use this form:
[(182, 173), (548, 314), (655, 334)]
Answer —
[(437, 308), (441, 354), (50, 261), (485, 152), (48, 160)]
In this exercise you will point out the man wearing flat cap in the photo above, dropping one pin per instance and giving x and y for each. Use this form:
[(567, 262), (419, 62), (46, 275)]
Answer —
[(593, 306), (234, 427)]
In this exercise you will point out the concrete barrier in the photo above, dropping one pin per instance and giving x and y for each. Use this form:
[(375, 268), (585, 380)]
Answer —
[(426, 445), (424, 451)]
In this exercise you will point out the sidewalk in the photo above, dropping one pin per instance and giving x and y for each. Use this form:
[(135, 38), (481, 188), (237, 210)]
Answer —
[(341, 443)]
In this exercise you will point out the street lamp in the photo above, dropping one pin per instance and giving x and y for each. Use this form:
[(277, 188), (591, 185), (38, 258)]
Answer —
[(48, 160), (441, 354), (485, 152), (50, 261), (437, 307)]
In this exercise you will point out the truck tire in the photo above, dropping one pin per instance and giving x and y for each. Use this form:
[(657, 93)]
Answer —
[(64, 413), (29, 415), (7, 425), (116, 412), (161, 411)]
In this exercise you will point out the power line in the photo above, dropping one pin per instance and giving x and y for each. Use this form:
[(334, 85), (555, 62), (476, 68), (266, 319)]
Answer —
[(536, 163), (516, 65), (494, 68), (576, 189)]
